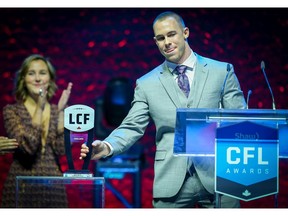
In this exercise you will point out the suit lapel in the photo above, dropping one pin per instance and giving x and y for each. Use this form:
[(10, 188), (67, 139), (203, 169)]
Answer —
[(166, 78), (200, 77), (196, 90)]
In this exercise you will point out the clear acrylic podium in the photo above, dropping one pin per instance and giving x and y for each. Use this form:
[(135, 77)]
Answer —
[(198, 132), (195, 130), (80, 192)]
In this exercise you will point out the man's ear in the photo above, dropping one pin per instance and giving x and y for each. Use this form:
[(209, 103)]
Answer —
[(186, 32), (155, 40)]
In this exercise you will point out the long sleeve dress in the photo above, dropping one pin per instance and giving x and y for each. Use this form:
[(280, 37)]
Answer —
[(33, 159)]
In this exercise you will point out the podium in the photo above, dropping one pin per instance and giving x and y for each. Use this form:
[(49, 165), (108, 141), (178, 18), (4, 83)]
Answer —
[(79, 192), (246, 145)]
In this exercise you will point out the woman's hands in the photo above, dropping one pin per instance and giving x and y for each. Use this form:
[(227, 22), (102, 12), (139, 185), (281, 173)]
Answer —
[(62, 105), (64, 97), (7, 145)]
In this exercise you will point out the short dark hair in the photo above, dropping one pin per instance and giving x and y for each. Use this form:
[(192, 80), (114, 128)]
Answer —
[(167, 14)]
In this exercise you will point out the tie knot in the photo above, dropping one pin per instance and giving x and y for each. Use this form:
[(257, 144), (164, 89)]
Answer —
[(181, 69)]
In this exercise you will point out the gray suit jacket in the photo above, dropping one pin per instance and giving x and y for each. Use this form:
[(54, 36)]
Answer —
[(157, 97)]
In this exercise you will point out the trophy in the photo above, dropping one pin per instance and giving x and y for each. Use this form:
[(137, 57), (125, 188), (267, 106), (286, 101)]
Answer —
[(78, 127)]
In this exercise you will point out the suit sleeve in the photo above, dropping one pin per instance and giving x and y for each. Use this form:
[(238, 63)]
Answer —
[(133, 126), (233, 97)]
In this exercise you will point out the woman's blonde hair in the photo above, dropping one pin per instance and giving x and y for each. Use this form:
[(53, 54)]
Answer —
[(20, 90)]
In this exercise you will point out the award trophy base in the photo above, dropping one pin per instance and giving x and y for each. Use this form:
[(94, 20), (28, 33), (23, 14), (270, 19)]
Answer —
[(78, 174)]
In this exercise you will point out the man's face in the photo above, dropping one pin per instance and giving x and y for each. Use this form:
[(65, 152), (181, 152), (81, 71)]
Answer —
[(170, 38)]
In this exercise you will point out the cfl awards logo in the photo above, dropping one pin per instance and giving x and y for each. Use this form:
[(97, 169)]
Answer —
[(246, 165)]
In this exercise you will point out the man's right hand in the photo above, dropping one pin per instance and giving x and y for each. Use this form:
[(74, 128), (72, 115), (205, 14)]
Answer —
[(99, 150)]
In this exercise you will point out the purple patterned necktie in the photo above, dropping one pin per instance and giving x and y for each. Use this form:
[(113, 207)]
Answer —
[(183, 81)]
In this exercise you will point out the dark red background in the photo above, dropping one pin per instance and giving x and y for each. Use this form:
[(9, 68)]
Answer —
[(89, 46)]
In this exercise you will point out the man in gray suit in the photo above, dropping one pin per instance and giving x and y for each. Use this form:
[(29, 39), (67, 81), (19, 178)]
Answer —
[(177, 183)]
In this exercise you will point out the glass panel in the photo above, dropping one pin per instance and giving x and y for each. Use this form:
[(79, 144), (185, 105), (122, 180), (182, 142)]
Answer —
[(195, 129), (59, 192)]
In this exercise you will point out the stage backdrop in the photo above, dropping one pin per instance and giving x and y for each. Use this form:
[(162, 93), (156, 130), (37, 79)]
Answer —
[(90, 46)]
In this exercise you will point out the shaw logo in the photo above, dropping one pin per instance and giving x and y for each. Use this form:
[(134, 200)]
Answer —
[(247, 136)]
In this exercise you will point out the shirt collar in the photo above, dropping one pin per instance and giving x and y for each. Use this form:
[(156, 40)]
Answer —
[(189, 62)]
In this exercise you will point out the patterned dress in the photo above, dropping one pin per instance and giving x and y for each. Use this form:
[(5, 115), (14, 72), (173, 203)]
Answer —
[(31, 159)]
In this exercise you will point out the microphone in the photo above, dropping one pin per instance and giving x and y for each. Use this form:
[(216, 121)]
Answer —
[(272, 96), (248, 97), (223, 87)]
